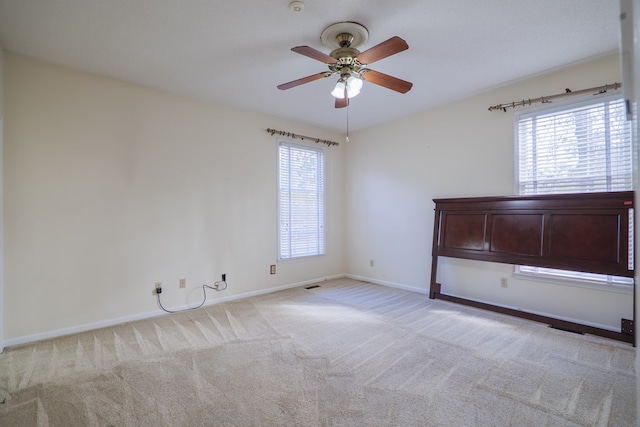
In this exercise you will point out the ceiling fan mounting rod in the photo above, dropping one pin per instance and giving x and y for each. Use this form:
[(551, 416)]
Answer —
[(344, 34), (344, 39)]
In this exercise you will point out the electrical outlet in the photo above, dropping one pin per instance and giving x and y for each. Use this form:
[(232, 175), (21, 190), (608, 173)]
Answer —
[(272, 269), (371, 263), (158, 287), (222, 284), (504, 282), (183, 283)]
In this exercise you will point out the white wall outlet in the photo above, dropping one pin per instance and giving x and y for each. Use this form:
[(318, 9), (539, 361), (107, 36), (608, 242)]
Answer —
[(183, 283), (504, 282), (272, 269), (371, 263)]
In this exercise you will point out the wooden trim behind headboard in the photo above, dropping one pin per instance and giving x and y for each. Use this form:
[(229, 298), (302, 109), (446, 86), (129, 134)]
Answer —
[(586, 232)]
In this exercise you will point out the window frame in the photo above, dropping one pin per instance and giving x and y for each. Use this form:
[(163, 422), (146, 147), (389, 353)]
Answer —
[(322, 229), (600, 282)]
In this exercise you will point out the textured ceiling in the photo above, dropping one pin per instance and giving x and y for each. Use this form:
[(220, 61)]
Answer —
[(236, 52)]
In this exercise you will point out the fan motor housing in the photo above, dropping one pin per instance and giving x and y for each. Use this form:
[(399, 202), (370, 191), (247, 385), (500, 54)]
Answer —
[(344, 54), (346, 64)]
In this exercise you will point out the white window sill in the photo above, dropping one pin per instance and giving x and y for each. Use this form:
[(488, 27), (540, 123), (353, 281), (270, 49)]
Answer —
[(578, 283)]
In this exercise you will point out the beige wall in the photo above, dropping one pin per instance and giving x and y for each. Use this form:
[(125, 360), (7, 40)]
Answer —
[(458, 150), (110, 187)]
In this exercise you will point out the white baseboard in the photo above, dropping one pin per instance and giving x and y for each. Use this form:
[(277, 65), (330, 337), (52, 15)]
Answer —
[(543, 313), (389, 284), (27, 339), (539, 313)]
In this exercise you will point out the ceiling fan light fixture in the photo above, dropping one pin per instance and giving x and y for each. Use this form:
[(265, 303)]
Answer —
[(338, 91), (354, 84)]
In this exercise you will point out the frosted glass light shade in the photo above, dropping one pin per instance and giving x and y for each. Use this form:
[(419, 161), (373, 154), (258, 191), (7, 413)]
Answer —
[(338, 91), (354, 84)]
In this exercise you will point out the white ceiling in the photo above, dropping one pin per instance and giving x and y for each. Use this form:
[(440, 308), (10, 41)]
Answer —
[(236, 52)]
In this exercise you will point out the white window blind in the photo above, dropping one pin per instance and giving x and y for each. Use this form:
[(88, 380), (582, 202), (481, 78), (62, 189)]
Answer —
[(301, 201), (577, 147), (584, 147)]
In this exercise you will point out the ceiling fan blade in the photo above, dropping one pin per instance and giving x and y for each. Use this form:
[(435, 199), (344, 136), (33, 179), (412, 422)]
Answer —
[(387, 48), (304, 80), (342, 102), (314, 54), (386, 80)]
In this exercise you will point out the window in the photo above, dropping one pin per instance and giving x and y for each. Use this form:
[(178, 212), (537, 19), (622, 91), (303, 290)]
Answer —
[(577, 147), (300, 200)]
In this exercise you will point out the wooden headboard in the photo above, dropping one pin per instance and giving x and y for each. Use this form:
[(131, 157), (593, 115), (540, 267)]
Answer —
[(586, 232)]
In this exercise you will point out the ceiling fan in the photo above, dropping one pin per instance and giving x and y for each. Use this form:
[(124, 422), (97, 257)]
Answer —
[(349, 63)]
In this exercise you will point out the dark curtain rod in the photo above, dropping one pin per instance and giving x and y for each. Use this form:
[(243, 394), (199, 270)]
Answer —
[(545, 99), (302, 137)]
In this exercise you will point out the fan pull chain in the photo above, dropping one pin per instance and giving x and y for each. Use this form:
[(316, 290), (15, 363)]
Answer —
[(347, 140)]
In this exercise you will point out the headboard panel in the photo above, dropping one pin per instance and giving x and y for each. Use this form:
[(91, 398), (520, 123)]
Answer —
[(587, 232)]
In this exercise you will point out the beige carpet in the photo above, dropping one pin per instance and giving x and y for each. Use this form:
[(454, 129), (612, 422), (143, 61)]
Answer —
[(347, 353)]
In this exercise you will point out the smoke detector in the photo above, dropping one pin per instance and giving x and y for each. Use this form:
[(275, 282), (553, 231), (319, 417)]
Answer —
[(296, 6)]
